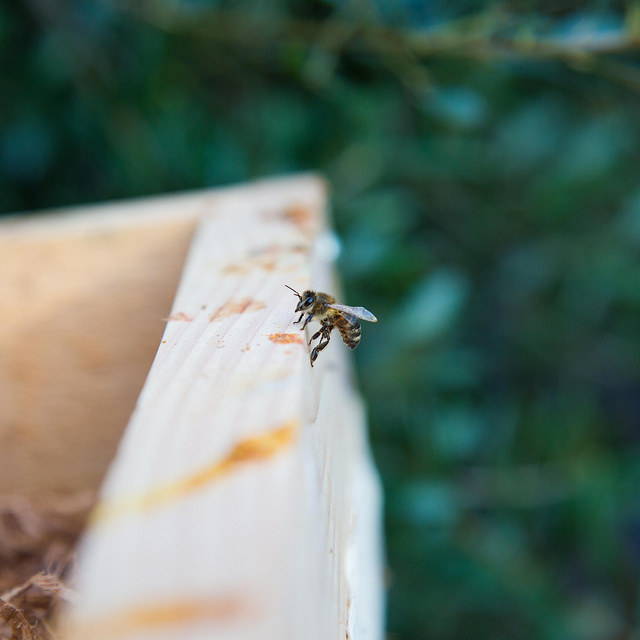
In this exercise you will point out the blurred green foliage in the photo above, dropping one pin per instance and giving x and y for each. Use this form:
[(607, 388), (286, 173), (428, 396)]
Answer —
[(484, 166)]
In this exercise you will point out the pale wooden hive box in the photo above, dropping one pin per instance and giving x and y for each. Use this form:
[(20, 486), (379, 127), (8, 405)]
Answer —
[(241, 502)]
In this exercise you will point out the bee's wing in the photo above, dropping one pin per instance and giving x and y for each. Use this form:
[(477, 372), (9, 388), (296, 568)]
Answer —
[(356, 312)]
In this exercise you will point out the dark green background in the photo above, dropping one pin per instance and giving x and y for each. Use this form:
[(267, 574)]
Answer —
[(486, 192)]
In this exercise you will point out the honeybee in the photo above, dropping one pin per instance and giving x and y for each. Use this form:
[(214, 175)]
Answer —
[(324, 308)]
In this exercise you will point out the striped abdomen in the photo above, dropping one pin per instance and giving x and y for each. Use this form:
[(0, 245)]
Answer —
[(349, 330)]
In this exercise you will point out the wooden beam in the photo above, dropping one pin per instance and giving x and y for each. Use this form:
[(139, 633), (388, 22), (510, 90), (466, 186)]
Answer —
[(242, 503), (83, 297)]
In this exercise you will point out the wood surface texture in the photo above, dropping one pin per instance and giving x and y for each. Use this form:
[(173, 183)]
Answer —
[(83, 298), (242, 503)]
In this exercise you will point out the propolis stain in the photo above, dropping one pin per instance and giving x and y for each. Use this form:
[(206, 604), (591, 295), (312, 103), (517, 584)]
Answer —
[(285, 338)]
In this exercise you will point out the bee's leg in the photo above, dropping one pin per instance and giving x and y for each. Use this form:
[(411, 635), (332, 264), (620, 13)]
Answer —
[(316, 334), (298, 320), (307, 321), (326, 336)]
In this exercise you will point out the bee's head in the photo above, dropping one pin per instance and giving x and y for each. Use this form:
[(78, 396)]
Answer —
[(307, 298)]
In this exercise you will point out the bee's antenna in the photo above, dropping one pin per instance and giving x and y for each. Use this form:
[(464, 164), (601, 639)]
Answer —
[(294, 291)]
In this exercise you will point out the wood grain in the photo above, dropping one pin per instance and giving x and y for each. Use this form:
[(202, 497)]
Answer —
[(242, 503), (83, 297)]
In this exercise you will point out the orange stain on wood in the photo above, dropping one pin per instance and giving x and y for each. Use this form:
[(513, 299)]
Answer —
[(285, 338), (252, 449), (264, 263), (266, 258), (234, 307), (301, 216), (180, 316), (235, 269), (156, 617), (275, 249)]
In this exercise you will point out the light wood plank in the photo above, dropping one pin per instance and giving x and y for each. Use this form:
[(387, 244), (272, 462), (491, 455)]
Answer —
[(242, 503)]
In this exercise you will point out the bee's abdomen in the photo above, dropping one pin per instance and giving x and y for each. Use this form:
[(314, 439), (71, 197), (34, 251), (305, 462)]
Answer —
[(350, 332)]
